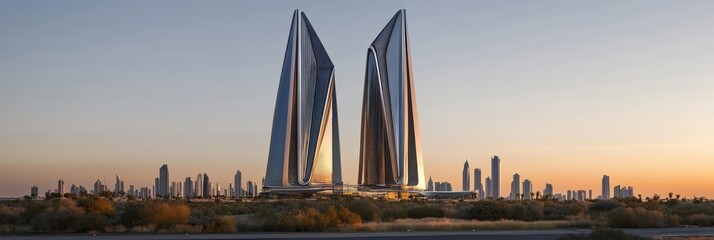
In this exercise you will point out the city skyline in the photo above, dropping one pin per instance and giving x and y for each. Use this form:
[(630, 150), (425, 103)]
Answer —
[(81, 102)]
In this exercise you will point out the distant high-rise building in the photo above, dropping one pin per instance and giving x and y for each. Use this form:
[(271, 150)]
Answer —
[(548, 191), (34, 192), (516, 187), (60, 187), (230, 191), (164, 181), (188, 187), (466, 177), (98, 187), (430, 185), (489, 187), (590, 194), (605, 187), (74, 190), (581, 195), (627, 192), (570, 195), (157, 182), (496, 176), (527, 189), (118, 185), (249, 186), (616, 191), (206, 186), (478, 186), (199, 185), (237, 183)]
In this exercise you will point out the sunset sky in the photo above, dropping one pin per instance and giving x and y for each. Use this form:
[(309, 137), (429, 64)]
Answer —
[(562, 91)]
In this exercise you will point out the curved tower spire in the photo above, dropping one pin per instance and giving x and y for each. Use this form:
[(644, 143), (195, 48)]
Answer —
[(304, 145), (390, 152)]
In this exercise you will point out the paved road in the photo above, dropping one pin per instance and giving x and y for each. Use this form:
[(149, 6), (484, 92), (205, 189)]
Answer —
[(503, 235)]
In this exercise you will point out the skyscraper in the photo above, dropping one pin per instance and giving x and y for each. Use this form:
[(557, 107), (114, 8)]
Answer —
[(548, 191), (237, 183), (489, 187), (304, 145), (515, 187), (605, 187), (34, 192), (527, 189), (478, 186), (430, 185), (496, 176), (118, 185), (164, 181), (390, 146), (60, 187), (466, 177), (206, 186), (188, 188), (98, 187), (199, 185), (249, 186)]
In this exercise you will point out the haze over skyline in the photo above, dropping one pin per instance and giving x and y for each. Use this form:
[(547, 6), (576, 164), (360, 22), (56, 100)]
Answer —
[(563, 92)]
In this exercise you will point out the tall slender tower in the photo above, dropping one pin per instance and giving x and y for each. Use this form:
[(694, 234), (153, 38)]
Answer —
[(605, 187), (430, 185), (304, 144), (466, 177), (478, 185), (60, 187), (496, 177), (390, 147), (237, 183), (117, 185), (206, 186), (516, 187), (527, 188), (489, 187), (164, 181), (188, 188)]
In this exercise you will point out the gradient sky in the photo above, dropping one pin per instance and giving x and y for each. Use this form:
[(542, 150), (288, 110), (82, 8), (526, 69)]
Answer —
[(562, 91)]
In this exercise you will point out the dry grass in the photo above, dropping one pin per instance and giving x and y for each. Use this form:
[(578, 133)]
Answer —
[(459, 224)]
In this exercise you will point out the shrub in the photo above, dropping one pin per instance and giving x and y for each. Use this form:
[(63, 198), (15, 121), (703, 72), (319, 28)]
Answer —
[(99, 206), (165, 215), (133, 214), (702, 220), (602, 206), (533, 212), (88, 222), (10, 215), (635, 218), (220, 225), (426, 211), (485, 210), (365, 208), (560, 210)]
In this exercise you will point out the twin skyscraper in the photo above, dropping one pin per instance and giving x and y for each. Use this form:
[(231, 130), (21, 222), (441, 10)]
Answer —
[(304, 153)]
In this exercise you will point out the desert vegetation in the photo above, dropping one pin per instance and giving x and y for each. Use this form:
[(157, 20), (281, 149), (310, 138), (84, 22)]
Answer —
[(107, 214)]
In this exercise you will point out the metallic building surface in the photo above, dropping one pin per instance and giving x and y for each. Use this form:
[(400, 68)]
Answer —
[(390, 151), (304, 145)]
